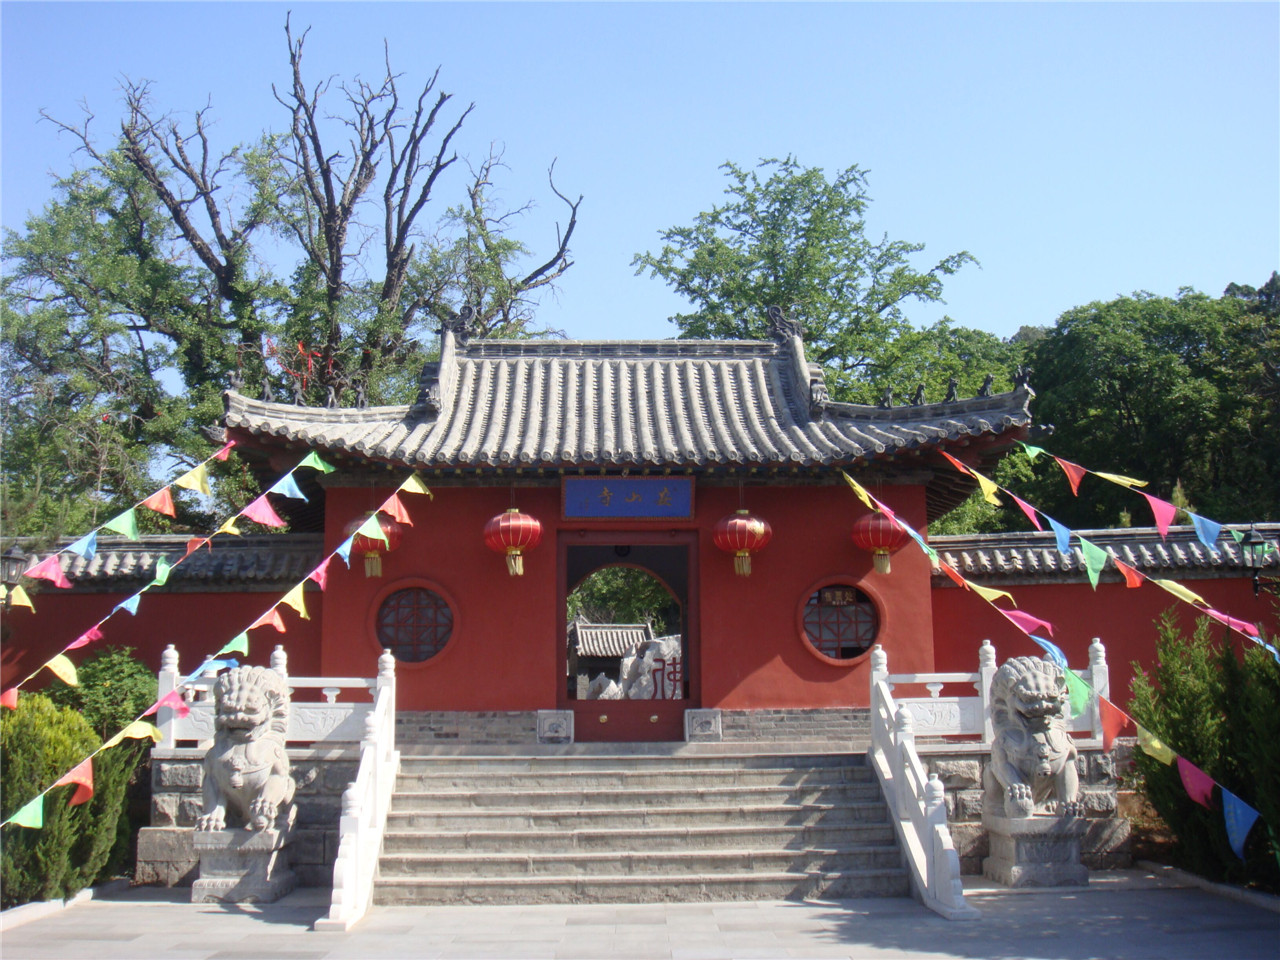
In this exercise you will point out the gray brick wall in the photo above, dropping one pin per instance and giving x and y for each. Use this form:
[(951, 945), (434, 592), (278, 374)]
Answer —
[(484, 727), (836, 726)]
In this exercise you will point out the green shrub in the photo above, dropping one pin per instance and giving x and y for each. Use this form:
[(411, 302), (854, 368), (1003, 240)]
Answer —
[(1218, 711), (114, 688)]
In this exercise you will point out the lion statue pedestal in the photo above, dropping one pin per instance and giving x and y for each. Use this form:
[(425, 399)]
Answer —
[(1031, 806), (247, 779)]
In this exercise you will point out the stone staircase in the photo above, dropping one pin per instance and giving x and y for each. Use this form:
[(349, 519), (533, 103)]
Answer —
[(596, 828)]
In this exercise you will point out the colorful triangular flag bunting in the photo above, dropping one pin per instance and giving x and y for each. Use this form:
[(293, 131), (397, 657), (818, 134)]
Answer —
[(1056, 656), (272, 618), (1239, 818), (229, 527), (396, 511), (62, 668), (1027, 509), (86, 638), (989, 489), (50, 568), (859, 490), (172, 699), (131, 604), (1063, 535), (31, 815), (287, 486), (226, 449), (1113, 721), (261, 511), (1095, 559), (1123, 481), (18, 598), (372, 529), (126, 524), (1079, 692), (195, 543), (1132, 578), (1163, 511), (1026, 622), (313, 461), (135, 731), (238, 644), (990, 594), (343, 550), (81, 777), (415, 485), (9, 698), (161, 576), (197, 480), (1153, 746), (1181, 592), (86, 546), (321, 573), (1206, 530), (161, 502), (1198, 784), (1032, 452), (1075, 473), (294, 598)]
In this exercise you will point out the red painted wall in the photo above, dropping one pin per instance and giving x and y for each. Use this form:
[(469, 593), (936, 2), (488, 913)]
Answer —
[(1122, 618)]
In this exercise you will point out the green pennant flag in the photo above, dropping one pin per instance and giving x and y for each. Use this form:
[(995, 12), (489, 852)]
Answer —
[(372, 529), (1031, 451), (239, 645), (31, 816), (126, 524), (1095, 559), (1236, 535), (313, 461), (162, 572), (1080, 693)]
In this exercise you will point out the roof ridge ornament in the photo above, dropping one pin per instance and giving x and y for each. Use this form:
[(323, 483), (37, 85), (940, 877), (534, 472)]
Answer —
[(460, 323), (781, 327)]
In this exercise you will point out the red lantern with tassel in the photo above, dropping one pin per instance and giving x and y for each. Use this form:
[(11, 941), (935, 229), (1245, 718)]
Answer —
[(371, 547), (512, 533), (741, 534), (880, 535)]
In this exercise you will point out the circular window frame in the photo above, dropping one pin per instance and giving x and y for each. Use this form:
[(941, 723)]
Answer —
[(838, 580), (410, 583)]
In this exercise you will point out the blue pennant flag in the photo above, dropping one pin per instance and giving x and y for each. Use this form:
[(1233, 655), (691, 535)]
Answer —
[(86, 546), (1055, 653), (1207, 530), (130, 605), (286, 486), (344, 549), (1063, 534), (227, 664), (1240, 818)]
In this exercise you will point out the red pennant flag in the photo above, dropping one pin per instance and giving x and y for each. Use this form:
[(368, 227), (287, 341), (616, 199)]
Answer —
[(81, 776), (1198, 784), (262, 512), (222, 454), (1028, 509), (161, 502), (9, 698), (1164, 512), (1132, 578), (171, 699), (86, 638), (963, 468), (271, 617), (195, 543), (396, 511), (950, 571), (321, 573), (1026, 622), (1114, 720), (1249, 629), (1075, 473), (50, 568)]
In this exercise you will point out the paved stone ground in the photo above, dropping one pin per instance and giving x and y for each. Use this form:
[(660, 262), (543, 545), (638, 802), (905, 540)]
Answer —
[(1122, 914)]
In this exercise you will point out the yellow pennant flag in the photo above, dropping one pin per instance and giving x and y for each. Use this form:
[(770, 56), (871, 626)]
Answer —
[(1181, 592), (294, 599), (135, 731), (372, 529), (1153, 746), (64, 670), (862, 494), (990, 593), (1123, 481), (197, 479), (229, 527), (18, 598), (415, 485), (989, 488)]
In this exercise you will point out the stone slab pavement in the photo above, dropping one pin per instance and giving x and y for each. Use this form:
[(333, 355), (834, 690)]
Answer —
[(1121, 914)]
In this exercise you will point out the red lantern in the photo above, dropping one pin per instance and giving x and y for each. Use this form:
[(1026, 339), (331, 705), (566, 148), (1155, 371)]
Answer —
[(880, 535), (512, 533), (741, 534), (371, 547)]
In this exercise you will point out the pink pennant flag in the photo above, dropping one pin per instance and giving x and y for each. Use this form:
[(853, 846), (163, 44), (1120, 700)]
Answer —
[(262, 512), (1028, 509), (951, 572), (963, 468), (194, 544), (1199, 785), (271, 617), (1164, 513), (396, 511), (161, 502), (171, 699), (1243, 626), (86, 638), (81, 776), (222, 454), (50, 568), (1026, 622), (1075, 473), (1132, 578), (321, 573), (1114, 720), (9, 698)]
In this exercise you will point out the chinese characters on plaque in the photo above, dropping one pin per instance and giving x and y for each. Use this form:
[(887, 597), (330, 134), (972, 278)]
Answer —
[(641, 498)]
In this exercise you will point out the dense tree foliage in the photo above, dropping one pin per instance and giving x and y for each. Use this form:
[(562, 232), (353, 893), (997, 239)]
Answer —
[(788, 236), (621, 594), (313, 264)]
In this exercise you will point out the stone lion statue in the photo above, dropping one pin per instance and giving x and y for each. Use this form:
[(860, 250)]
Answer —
[(246, 771), (1033, 758)]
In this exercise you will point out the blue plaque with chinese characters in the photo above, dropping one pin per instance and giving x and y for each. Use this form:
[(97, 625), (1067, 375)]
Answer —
[(636, 498)]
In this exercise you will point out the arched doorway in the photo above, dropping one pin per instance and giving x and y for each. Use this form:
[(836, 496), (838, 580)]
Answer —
[(628, 633)]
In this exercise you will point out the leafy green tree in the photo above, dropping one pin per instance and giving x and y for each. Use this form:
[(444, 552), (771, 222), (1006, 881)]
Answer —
[(149, 284), (788, 236), (114, 688), (625, 595)]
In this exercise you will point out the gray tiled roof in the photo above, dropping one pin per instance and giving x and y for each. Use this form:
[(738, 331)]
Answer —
[(1034, 557), (671, 403), (267, 561), (609, 639)]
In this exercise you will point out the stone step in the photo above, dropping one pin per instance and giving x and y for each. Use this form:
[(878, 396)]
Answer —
[(570, 797), (796, 815), (432, 759), (429, 779), (639, 862), (744, 837), (648, 888)]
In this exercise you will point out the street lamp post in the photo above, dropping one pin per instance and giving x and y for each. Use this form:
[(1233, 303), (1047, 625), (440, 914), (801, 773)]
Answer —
[(13, 562), (1254, 549)]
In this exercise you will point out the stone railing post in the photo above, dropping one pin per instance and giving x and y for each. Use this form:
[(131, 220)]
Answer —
[(166, 683), (1100, 680), (904, 737), (986, 673), (935, 815), (280, 661)]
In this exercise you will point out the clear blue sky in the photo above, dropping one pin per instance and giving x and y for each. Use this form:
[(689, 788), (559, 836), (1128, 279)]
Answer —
[(1080, 151)]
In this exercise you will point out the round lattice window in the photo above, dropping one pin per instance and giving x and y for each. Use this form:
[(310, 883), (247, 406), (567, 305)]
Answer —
[(414, 624), (840, 621)]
